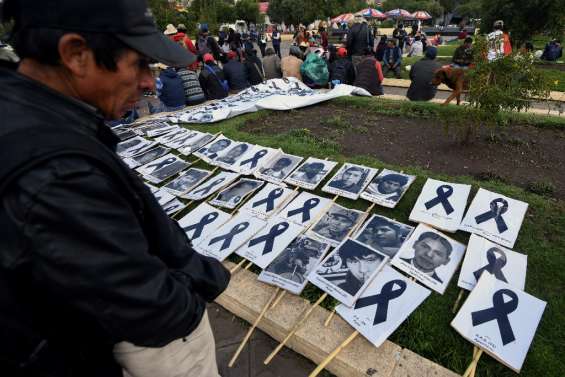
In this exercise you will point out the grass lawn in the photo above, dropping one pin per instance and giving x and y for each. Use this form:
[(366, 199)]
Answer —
[(427, 331)]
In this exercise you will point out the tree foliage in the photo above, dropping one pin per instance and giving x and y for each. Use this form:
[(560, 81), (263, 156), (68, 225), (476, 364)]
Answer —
[(305, 12), (247, 10), (165, 13)]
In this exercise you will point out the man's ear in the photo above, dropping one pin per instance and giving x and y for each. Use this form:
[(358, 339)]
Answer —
[(74, 53)]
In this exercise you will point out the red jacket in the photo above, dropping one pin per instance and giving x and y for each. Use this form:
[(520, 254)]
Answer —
[(184, 40)]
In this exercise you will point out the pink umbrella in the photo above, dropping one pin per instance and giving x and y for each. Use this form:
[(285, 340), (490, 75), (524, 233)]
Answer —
[(371, 13), (421, 15), (398, 13), (343, 17)]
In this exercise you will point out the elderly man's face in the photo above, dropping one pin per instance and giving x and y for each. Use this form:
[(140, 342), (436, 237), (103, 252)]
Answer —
[(430, 254), (389, 186), (352, 177), (362, 268), (386, 235)]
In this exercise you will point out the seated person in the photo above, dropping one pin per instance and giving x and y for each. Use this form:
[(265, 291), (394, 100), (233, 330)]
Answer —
[(463, 55), (290, 65), (370, 75), (552, 51), (172, 91), (235, 73), (392, 59), (417, 47), (212, 79), (272, 65), (342, 70), (254, 67), (193, 93), (421, 74)]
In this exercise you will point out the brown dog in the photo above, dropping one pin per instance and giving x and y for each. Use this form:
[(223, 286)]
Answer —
[(454, 78)]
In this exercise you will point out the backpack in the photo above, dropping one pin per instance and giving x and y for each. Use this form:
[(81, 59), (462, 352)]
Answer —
[(223, 83), (315, 69), (203, 46)]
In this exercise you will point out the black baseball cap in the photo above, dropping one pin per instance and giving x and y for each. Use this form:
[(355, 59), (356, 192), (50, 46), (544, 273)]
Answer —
[(131, 21)]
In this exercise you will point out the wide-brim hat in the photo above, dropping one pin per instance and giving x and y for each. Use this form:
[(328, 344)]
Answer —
[(170, 30)]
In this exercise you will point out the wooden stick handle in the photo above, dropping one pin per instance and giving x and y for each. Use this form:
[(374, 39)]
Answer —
[(276, 302), (252, 328), (295, 328), (332, 355), (473, 363), (237, 266), (249, 265), (456, 305), (329, 318)]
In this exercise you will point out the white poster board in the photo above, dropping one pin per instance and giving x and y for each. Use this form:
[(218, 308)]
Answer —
[(305, 208), (186, 181), (430, 256), (383, 234), (255, 159), (146, 157), (195, 143), (211, 186), (484, 256), (269, 200), (157, 164), (384, 305), (311, 173), (202, 221), (350, 181), (387, 188), (134, 146), (500, 319), (174, 206), (336, 224), (230, 156), (441, 204), (214, 148), (235, 194), (278, 168), (290, 268), (347, 271), (496, 217)]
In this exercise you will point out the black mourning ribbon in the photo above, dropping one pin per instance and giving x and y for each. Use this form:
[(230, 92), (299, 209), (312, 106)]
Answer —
[(443, 193), (495, 213), (382, 299), (200, 225), (269, 200), (253, 161), (494, 266), (228, 237), (499, 311), (206, 190), (269, 238), (305, 210)]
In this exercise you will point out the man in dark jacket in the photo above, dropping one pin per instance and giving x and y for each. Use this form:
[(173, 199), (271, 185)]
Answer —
[(370, 75), (254, 67), (463, 55), (392, 58), (342, 69), (172, 92), (92, 271), (399, 34), (212, 79), (359, 39), (421, 74), (235, 73)]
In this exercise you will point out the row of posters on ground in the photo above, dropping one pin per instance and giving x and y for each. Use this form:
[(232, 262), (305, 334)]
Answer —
[(290, 234)]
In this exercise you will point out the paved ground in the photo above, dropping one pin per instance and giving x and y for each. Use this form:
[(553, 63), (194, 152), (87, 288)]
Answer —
[(229, 331)]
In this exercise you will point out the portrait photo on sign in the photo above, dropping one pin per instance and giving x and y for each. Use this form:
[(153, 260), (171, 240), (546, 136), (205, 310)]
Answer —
[(134, 146), (311, 173), (213, 149), (350, 181), (387, 188), (255, 159), (187, 181), (172, 135), (486, 257), (269, 200), (211, 186), (269, 242), (236, 193), (291, 267), (202, 221), (500, 319), (429, 256), (167, 171), (278, 168), (195, 143), (146, 157), (305, 208), (336, 224), (383, 234), (347, 271), (230, 236), (441, 204), (184, 140), (231, 155), (388, 300), (156, 129), (495, 217)]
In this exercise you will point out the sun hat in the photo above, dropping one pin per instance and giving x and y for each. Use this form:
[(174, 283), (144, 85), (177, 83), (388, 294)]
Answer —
[(170, 30)]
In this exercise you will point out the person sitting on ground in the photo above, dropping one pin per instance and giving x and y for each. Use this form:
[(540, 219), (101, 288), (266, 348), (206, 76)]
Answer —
[(392, 58), (552, 51), (254, 67), (272, 64), (193, 93), (341, 70), (421, 74), (463, 55), (381, 47), (370, 75), (437, 40), (212, 79), (290, 65), (235, 73), (314, 70), (172, 91), (417, 48), (462, 34), (181, 38)]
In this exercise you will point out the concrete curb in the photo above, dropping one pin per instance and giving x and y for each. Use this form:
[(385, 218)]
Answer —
[(246, 296)]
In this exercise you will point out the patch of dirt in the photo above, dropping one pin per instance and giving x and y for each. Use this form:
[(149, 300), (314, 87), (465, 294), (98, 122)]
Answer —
[(522, 155)]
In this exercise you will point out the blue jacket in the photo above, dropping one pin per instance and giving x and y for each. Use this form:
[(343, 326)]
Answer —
[(236, 74), (172, 94), (396, 55)]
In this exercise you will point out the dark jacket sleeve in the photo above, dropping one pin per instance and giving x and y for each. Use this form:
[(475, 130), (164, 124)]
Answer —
[(87, 246)]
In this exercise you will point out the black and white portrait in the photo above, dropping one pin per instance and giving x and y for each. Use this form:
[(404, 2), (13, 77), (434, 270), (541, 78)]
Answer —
[(388, 300), (430, 257), (269, 200), (311, 173), (486, 257), (146, 157), (500, 319), (202, 221), (347, 270), (213, 150), (172, 135), (236, 193), (495, 217), (124, 133), (336, 224), (290, 268), (387, 188), (185, 139), (186, 181), (441, 204), (134, 146), (232, 155), (195, 143), (383, 234), (279, 168), (157, 129), (167, 172), (211, 186), (350, 181)]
